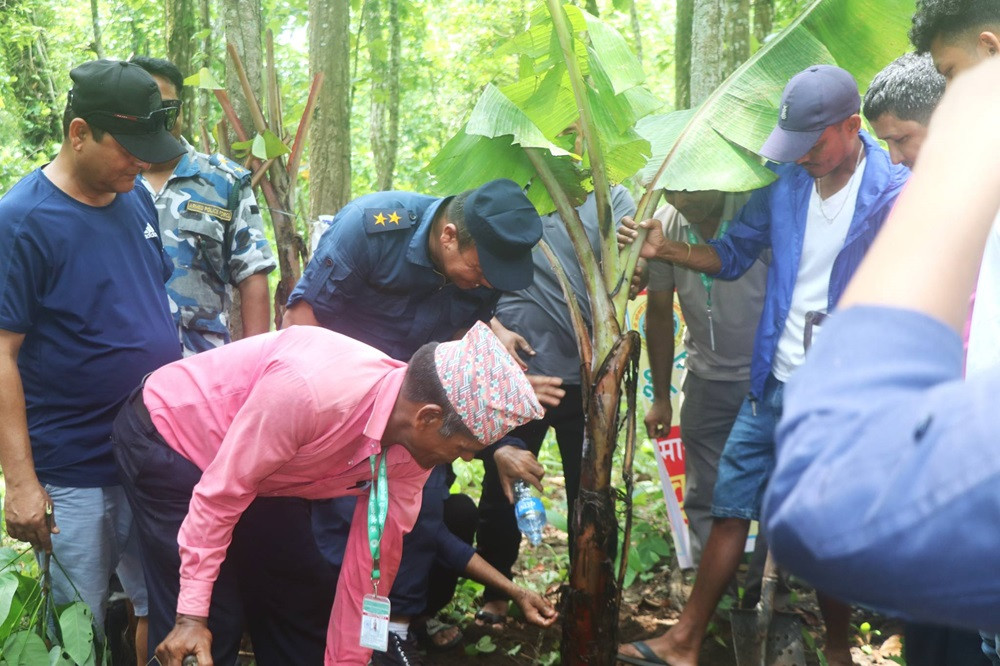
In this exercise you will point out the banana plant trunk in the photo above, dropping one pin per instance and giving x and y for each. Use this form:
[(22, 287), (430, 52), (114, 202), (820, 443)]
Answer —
[(590, 606)]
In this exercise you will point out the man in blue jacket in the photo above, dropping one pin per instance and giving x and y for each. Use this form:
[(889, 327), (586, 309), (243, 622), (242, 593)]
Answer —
[(835, 187)]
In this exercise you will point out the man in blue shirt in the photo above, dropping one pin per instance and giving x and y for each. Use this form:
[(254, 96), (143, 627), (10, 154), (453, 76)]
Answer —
[(834, 190), (885, 488), (898, 105), (83, 317)]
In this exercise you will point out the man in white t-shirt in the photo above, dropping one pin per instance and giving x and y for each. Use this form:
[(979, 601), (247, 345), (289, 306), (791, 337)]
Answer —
[(835, 187)]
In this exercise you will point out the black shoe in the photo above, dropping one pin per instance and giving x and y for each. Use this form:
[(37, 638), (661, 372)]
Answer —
[(401, 652)]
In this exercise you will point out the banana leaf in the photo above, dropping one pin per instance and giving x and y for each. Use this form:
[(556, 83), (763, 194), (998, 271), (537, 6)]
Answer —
[(716, 147), (539, 111)]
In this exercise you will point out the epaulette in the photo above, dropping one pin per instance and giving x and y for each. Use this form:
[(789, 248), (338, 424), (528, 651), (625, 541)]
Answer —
[(378, 220), (227, 165)]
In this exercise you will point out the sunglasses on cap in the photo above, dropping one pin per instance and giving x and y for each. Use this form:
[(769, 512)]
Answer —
[(165, 117)]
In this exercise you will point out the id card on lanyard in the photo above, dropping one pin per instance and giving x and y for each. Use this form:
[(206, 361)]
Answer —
[(707, 281), (375, 609)]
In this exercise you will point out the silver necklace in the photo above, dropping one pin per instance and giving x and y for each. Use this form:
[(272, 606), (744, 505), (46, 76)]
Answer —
[(819, 191)]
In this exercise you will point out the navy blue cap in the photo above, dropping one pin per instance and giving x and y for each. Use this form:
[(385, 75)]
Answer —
[(814, 99), (123, 99), (505, 227)]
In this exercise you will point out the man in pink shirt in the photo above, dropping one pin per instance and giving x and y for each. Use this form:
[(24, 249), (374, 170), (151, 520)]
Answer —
[(303, 412)]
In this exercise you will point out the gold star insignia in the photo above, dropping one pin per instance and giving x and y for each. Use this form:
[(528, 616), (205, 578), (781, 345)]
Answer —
[(380, 219), (394, 218)]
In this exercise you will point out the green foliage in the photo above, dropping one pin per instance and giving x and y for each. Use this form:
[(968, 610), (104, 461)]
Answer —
[(25, 634), (715, 148), (484, 645), (648, 550), (538, 110)]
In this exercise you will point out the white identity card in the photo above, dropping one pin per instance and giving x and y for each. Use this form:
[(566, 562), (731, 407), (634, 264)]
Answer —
[(375, 622)]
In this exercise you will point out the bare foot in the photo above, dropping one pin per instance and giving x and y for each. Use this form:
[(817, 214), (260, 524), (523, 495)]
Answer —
[(439, 634), (668, 648), (838, 656), (492, 614)]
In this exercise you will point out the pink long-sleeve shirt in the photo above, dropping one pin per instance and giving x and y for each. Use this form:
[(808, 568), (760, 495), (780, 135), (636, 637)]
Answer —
[(292, 413)]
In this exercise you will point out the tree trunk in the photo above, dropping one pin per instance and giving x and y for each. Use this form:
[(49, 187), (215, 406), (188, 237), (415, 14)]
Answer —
[(383, 52), (736, 22), (720, 41), (202, 98), (182, 22), (682, 54), (242, 20), (763, 18), (330, 132), (636, 25), (590, 606), (243, 27), (95, 16)]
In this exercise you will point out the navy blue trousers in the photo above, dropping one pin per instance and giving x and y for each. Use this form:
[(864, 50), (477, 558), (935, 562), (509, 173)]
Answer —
[(429, 567), (272, 538)]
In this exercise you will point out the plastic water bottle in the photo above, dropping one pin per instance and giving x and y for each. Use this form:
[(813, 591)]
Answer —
[(529, 511)]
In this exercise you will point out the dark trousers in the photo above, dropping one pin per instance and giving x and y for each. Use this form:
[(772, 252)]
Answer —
[(423, 579), (276, 531), (930, 645), (498, 539)]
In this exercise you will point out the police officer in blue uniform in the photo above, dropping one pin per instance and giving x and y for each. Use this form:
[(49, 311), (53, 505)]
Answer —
[(397, 270)]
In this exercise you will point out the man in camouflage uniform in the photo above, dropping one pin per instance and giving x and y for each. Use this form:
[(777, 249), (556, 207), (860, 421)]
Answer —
[(212, 230)]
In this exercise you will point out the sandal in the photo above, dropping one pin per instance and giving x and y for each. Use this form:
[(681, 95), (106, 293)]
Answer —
[(487, 619), (426, 631)]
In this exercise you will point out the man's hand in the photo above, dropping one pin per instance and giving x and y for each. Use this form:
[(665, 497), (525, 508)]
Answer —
[(536, 609), (513, 342), (190, 636), (547, 389), (640, 278), (29, 514), (653, 246), (513, 464), (626, 232), (658, 418)]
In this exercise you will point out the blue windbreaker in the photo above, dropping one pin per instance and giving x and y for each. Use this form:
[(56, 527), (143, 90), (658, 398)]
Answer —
[(775, 217)]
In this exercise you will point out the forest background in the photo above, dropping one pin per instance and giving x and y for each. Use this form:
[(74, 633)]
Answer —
[(400, 78)]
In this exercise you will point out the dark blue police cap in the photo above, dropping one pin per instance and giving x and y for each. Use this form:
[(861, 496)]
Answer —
[(505, 227)]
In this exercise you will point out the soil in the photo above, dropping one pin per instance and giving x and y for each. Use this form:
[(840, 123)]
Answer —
[(648, 610)]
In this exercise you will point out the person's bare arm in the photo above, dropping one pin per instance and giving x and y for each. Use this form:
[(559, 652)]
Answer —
[(514, 463), (255, 305), (699, 257), (27, 507), (660, 347), (513, 342), (916, 262), (300, 314), (536, 609), (190, 636)]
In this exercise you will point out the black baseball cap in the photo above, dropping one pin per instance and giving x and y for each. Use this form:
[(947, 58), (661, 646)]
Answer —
[(122, 99), (505, 226), (814, 99)]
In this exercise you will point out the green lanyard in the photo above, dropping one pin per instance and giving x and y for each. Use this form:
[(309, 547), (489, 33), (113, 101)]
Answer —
[(378, 507), (707, 281)]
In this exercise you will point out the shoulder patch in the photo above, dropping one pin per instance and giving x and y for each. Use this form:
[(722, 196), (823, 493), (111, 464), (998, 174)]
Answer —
[(378, 220), (234, 169)]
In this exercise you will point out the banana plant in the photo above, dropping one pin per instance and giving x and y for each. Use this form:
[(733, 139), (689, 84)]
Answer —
[(576, 118)]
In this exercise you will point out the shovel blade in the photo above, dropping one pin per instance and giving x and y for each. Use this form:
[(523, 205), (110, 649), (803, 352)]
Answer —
[(783, 645)]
